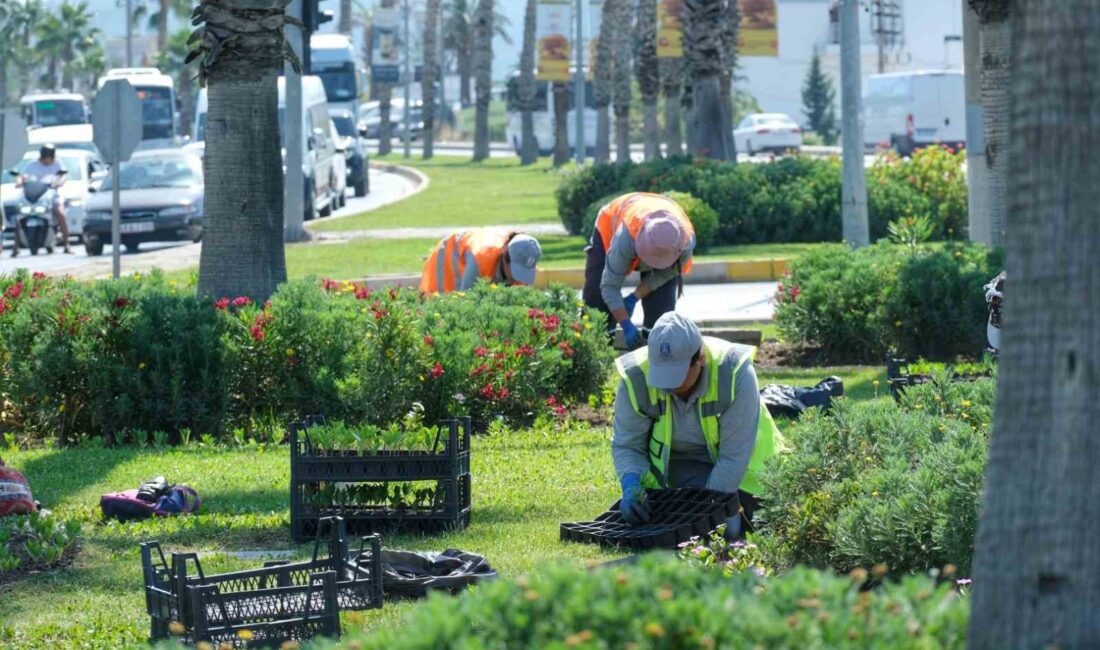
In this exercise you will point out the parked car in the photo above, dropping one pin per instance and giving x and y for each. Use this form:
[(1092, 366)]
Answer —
[(354, 152), (371, 126), (161, 199), (82, 170), (907, 110), (773, 132)]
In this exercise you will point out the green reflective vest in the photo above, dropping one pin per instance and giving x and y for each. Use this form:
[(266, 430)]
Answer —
[(722, 366)]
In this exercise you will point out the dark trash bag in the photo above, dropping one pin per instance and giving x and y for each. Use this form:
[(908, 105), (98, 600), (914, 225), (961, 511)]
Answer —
[(406, 574), (790, 402)]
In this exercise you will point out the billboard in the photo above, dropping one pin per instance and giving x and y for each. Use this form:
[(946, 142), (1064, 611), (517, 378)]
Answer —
[(554, 48), (670, 29), (385, 46), (759, 36)]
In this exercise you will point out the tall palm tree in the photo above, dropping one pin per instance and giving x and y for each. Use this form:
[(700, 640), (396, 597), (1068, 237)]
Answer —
[(603, 75), (242, 48), (529, 147), (9, 47), (346, 21), (383, 92), (483, 69), (50, 43), (647, 70), (61, 36), (561, 123), (622, 77), (703, 52), (731, 31), (26, 17), (672, 83), (428, 77), (172, 61), (157, 17), (459, 36), (91, 64), (996, 54), (1036, 570)]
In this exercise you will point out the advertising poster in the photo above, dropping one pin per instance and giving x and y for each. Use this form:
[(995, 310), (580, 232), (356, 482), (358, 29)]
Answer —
[(759, 36), (555, 20), (670, 29), (386, 46)]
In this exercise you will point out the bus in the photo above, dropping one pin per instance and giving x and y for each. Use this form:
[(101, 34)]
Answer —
[(159, 104), (544, 116), (42, 110), (333, 59)]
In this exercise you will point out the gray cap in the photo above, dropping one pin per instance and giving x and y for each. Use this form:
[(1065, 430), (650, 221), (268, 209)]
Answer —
[(524, 252), (673, 341)]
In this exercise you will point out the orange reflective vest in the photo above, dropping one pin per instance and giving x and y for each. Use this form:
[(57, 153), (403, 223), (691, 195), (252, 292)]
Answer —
[(632, 210), (447, 262)]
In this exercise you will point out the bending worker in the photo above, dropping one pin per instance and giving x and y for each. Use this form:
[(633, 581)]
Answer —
[(645, 232), (458, 261), (688, 414)]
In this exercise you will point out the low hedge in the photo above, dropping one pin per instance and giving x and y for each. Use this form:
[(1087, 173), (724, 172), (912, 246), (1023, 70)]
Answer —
[(792, 200), (660, 603), (142, 355), (882, 484), (857, 305)]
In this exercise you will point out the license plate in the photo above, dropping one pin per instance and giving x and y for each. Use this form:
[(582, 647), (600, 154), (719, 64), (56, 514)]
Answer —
[(141, 226)]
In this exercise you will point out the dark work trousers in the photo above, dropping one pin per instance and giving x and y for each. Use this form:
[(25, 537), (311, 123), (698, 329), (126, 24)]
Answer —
[(694, 474), (655, 305)]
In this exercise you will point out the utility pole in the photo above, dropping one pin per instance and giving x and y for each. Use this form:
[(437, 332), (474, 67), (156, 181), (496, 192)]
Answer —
[(977, 170), (129, 34), (294, 190), (854, 189), (880, 37), (580, 101), (408, 85)]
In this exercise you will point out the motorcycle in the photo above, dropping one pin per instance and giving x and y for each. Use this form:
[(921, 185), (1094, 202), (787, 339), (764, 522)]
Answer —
[(35, 224)]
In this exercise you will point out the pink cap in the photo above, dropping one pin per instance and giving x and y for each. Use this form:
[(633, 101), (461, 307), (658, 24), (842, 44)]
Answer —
[(660, 241)]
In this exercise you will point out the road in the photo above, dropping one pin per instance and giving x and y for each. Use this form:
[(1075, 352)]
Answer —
[(385, 188)]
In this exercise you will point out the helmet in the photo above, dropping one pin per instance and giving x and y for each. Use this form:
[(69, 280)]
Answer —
[(47, 151)]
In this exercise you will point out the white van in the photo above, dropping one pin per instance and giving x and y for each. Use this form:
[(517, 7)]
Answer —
[(544, 116), (54, 109), (906, 110), (323, 176)]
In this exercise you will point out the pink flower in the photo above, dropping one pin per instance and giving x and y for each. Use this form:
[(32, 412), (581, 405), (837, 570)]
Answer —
[(38, 275), (794, 292), (551, 401), (14, 291), (222, 304), (525, 351), (429, 340), (481, 351), (559, 411), (241, 301), (487, 391), (502, 393), (258, 333), (362, 293), (329, 284), (566, 349), (121, 302), (437, 370)]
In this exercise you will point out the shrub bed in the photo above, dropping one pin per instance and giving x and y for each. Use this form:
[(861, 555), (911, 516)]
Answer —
[(857, 305), (35, 542), (878, 483), (660, 603), (792, 200), (140, 355)]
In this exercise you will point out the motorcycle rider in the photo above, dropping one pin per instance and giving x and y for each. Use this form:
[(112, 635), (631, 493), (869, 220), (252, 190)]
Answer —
[(46, 170)]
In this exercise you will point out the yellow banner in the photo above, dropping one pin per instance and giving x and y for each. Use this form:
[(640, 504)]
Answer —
[(554, 47), (670, 29), (759, 33)]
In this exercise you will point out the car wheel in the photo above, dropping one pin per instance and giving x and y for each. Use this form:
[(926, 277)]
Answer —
[(361, 186), (93, 250), (327, 210), (310, 210), (748, 147), (131, 246)]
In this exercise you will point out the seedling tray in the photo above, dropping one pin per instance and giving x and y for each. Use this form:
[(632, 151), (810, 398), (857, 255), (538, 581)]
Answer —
[(252, 597), (677, 515), (448, 458), (899, 379)]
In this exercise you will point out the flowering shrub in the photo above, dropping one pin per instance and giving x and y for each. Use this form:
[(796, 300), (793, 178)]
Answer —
[(877, 483), (108, 358)]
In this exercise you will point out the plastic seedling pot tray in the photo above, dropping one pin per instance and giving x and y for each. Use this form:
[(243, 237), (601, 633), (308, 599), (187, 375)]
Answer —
[(898, 377), (676, 516)]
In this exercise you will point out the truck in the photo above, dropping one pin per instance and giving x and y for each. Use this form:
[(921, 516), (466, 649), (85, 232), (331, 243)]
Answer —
[(159, 104), (909, 110)]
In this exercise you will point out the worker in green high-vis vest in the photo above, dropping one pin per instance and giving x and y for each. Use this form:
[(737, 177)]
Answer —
[(688, 413)]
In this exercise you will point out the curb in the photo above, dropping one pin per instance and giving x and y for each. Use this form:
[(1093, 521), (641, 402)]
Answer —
[(765, 270)]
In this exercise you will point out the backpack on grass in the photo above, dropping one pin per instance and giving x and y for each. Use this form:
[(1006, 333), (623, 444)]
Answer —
[(152, 498), (15, 492)]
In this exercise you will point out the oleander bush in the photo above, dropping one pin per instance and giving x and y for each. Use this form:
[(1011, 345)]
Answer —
[(143, 355)]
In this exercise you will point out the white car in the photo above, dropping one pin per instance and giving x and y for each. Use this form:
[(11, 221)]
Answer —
[(774, 132), (80, 166), (69, 136)]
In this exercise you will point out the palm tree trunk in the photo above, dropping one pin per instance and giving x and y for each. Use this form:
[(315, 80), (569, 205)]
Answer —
[(561, 123), (51, 70), (464, 74), (672, 88), (731, 27), (621, 88), (996, 53), (186, 98), (1036, 570), (344, 26), (647, 70), (162, 24), (4, 83), (483, 56), (66, 68), (603, 69), (385, 133), (529, 147), (703, 51), (242, 249), (427, 79)]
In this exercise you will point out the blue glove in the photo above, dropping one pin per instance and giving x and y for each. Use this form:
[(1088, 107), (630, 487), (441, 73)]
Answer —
[(629, 303), (633, 504), (631, 335)]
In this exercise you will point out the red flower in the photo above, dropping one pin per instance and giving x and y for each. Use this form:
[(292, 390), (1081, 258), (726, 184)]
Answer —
[(393, 294), (576, 326), (258, 333), (487, 391), (429, 340), (362, 293), (242, 301), (566, 349), (479, 370), (3, 306), (794, 292), (14, 291), (329, 284), (38, 275), (502, 393), (551, 323), (534, 313), (437, 370), (508, 375), (480, 351), (121, 302), (525, 351), (551, 401), (559, 411), (222, 304), (781, 288)]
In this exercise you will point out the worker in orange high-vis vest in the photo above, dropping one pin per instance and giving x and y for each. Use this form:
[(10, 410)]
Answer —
[(649, 233), (460, 260)]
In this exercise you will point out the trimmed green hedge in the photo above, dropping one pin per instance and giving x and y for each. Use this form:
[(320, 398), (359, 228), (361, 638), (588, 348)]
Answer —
[(792, 200)]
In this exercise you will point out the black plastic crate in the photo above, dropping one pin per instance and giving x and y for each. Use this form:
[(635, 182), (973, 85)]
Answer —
[(450, 510), (448, 458), (899, 378), (677, 516), (358, 581)]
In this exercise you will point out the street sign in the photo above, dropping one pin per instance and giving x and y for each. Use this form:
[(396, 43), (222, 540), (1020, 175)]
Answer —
[(116, 130), (116, 120), (13, 138)]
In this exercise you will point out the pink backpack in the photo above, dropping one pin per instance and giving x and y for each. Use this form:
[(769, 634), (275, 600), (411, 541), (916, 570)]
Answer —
[(130, 505), (15, 492)]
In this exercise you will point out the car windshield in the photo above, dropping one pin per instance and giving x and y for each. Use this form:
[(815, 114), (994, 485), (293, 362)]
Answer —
[(58, 112), (344, 126), (339, 84), (158, 171), (71, 164)]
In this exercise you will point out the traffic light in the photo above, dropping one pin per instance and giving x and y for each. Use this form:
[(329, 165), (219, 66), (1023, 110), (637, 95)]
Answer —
[(314, 16)]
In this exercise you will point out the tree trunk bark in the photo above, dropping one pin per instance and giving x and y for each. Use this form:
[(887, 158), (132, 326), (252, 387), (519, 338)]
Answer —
[(996, 76), (731, 29), (186, 98), (242, 239), (3, 84), (463, 55), (344, 26), (708, 118), (621, 71), (647, 70), (385, 133), (483, 43), (602, 153), (162, 24), (703, 42), (428, 77), (529, 147), (66, 70), (561, 123), (1037, 570), (671, 84), (603, 74), (652, 132)]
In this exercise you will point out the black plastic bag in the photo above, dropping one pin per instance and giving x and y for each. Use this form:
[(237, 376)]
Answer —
[(790, 402), (408, 574)]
